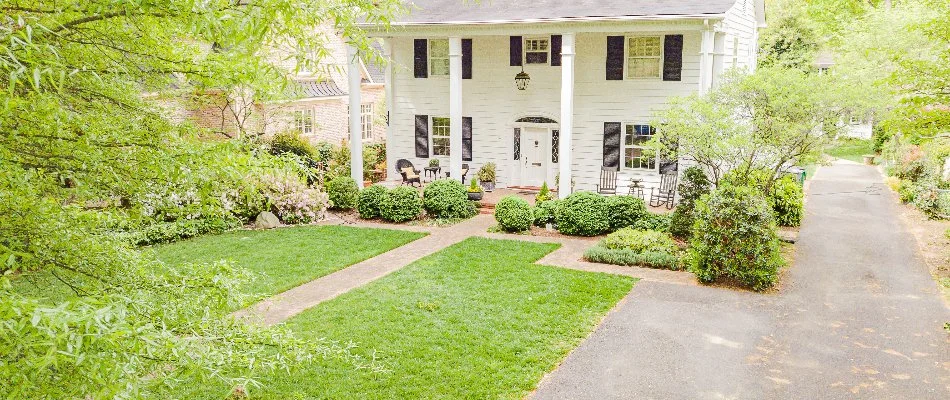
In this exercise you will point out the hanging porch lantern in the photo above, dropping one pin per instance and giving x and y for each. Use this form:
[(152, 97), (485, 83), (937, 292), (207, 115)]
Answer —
[(522, 79)]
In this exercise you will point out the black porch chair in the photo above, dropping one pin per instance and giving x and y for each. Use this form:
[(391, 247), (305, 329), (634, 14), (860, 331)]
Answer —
[(666, 193), (410, 175), (608, 180)]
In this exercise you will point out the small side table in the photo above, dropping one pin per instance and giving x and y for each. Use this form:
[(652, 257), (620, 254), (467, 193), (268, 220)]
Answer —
[(636, 187), (434, 171)]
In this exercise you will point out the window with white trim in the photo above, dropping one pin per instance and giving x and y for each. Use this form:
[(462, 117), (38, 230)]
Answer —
[(735, 52), (441, 142), (366, 120), (635, 155), (536, 50), (303, 121), (644, 57), (438, 57)]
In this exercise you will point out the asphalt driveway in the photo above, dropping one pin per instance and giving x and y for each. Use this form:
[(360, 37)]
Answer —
[(858, 316)]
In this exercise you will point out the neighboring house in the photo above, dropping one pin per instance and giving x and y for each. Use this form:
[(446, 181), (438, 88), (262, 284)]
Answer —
[(318, 107), (854, 126), (598, 71)]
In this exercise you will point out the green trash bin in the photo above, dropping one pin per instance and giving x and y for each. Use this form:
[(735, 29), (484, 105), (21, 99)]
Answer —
[(798, 173)]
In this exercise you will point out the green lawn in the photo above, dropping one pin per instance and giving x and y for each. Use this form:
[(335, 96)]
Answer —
[(475, 320), (851, 149), (284, 258)]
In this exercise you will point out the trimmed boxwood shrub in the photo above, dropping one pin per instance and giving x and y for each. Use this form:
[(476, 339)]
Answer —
[(583, 214), (624, 211), (343, 193), (447, 198), (546, 212), (371, 200), (640, 241), (401, 204), (626, 257), (513, 214), (653, 222), (694, 185), (787, 201), (734, 237), (291, 142)]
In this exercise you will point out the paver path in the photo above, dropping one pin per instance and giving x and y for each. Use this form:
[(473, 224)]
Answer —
[(858, 317)]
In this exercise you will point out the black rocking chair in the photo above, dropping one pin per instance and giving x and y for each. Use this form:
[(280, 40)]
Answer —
[(608, 180), (666, 193), (408, 178)]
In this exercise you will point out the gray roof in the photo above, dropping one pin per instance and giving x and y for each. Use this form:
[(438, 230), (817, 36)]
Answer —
[(377, 72), (324, 88), (467, 11)]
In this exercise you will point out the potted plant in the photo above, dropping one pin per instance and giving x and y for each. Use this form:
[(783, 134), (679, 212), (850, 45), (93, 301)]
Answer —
[(475, 192), (486, 176), (433, 163), (543, 195)]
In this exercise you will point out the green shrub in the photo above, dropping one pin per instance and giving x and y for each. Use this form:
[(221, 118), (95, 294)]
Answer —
[(371, 200), (624, 211), (640, 241), (653, 222), (401, 204), (787, 201), (343, 193), (447, 198), (583, 214), (626, 257), (734, 237), (907, 191), (291, 142), (880, 137), (546, 212), (693, 186), (543, 195), (513, 214), (486, 173)]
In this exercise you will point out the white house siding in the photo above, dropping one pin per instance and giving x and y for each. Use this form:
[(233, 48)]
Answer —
[(494, 103), (740, 22)]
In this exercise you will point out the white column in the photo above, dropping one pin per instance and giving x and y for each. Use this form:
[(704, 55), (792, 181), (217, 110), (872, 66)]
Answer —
[(390, 83), (705, 60), (356, 134), (455, 107), (565, 158)]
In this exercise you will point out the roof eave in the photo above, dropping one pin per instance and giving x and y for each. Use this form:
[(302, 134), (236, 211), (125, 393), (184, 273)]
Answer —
[(555, 20)]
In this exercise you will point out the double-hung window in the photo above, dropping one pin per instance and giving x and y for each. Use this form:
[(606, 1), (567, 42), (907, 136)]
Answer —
[(635, 155), (303, 121), (440, 136), (438, 57), (536, 50), (644, 57), (366, 120)]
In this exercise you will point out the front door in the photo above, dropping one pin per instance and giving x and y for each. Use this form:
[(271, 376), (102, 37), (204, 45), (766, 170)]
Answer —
[(534, 156)]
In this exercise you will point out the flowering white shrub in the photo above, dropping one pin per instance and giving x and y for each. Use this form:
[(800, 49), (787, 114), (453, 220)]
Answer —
[(292, 200)]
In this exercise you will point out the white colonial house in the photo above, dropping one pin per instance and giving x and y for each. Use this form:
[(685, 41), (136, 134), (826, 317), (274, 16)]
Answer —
[(593, 73)]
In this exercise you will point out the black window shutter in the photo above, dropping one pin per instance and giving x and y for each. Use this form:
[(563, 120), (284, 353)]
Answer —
[(466, 138), (611, 144), (422, 136), (615, 58), (515, 50), (466, 58), (421, 58), (517, 144), (556, 50), (673, 58)]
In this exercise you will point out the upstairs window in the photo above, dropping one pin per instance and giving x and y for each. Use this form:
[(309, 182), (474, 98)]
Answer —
[(303, 121), (438, 57), (644, 57), (366, 120), (635, 155), (441, 126), (536, 50)]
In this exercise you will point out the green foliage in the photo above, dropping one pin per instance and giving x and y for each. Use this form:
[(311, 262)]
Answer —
[(343, 193), (447, 198), (640, 241), (879, 139), (401, 204), (787, 201), (693, 186), (906, 191), (513, 214), (546, 212), (625, 211), (653, 222), (734, 237), (583, 214), (543, 195), (851, 149), (370, 201), (374, 158), (291, 142), (473, 187), (789, 42), (433, 162), (627, 257), (487, 172)]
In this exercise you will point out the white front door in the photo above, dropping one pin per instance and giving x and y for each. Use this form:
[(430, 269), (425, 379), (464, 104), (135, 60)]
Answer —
[(534, 156)]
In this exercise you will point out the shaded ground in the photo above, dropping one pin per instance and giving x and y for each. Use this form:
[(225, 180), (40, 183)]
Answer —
[(858, 317)]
